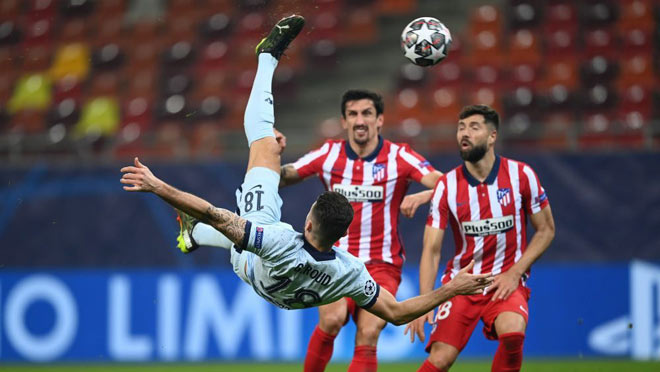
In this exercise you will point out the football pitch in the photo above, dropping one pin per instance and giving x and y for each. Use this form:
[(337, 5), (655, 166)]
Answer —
[(466, 366)]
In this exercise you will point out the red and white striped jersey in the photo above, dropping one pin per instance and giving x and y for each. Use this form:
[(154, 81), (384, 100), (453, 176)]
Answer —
[(375, 185), (488, 218)]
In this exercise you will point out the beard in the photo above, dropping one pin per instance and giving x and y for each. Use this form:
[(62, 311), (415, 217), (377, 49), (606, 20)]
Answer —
[(474, 154)]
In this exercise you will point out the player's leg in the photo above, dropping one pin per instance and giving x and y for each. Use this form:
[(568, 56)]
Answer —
[(332, 318), (454, 322), (506, 321), (369, 327), (259, 114)]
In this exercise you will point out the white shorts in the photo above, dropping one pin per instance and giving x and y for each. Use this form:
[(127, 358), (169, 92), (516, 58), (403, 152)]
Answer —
[(258, 198)]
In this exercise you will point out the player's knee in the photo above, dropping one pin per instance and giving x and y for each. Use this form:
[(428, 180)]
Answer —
[(510, 322), (441, 361), (332, 323), (368, 334)]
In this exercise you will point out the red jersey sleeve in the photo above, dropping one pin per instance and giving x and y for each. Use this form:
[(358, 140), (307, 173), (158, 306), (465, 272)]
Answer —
[(439, 210), (534, 197), (312, 162), (415, 164)]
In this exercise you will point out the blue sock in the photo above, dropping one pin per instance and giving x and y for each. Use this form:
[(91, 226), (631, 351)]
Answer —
[(259, 114)]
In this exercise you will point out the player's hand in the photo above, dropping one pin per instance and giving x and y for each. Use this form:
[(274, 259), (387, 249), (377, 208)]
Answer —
[(139, 178), (411, 202), (281, 140), (469, 284), (417, 327), (503, 285)]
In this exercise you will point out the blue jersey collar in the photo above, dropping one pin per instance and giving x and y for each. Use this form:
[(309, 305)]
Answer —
[(316, 254), (354, 156), (491, 176)]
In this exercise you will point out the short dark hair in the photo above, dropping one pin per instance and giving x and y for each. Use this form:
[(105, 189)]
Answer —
[(333, 214), (358, 94), (489, 114)]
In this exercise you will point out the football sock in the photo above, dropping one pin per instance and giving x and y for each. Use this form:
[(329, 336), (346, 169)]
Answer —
[(428, 367), (204, 234), (509, 354), (259, 113), (319, 351), (364, 359)]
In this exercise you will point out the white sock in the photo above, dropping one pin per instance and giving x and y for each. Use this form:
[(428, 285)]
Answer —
[(259, 113), (204, 234)]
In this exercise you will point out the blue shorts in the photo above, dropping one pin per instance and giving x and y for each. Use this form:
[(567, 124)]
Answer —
[(258, 199)]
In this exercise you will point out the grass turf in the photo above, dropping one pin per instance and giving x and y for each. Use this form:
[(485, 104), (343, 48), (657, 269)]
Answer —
[(461, 366)]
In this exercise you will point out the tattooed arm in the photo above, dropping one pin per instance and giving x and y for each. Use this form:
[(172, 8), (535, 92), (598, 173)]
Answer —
[(140, 178)]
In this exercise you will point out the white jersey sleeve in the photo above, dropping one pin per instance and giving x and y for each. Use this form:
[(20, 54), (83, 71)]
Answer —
[(270, 242), (360, 286)]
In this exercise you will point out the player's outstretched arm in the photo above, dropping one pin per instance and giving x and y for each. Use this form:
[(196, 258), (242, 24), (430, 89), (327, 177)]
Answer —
[(289, 175), (389, 309), (140, 178)]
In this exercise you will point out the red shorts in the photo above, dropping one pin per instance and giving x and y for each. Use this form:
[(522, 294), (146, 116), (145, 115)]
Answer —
[(457, 318), (386, 275)]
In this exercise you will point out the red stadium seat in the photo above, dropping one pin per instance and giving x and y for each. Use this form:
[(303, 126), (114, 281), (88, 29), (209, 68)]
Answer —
[(637, 69), (561, 15), (10, 9), (28, 121), (636, 40), (325, 26), (561, 42), (408, 104), (486, 45), (601, 42), (638, 14), (524, 14), (41, 8), (557, 129), (485, 18), (448, 74), (489, 75), (360, 27), (524, 48), (444, 107), (36, 58), (396, 7), (485, 96), (252, 26), (524, 75), (74, 30), (67, 88), (108, 30), (560, 72), (38, 32), (206, 140), (597, 130)]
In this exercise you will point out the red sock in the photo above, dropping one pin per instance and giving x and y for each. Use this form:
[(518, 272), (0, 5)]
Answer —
[(319, 351), (428, 367), (364, 359), (509, 355)]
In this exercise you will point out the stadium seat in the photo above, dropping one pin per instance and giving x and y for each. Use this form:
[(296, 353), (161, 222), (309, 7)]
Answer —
[(598, 97), (524, 14), (76, 8), (220, 6), (557, 129), (32, 92), (104, 84), (485, 95), (98, 116), (486, 45), (174, 107), (599, 13), (27, 121), (214, 56), (107, 58), (560, 72), (178, 83), (10, 9), (489, 75), (638, 14), (360, 27), (251, 25), (325, 26), (41, 8), (411, 75), (181, 29), (138, 111), (444, 106), (524, 48), (74, 30), (636, 40), (601, 42), (67, 88), (485, 18), (408, 104), (448, 74), (178, 56), (396, 7), (9, 32), (38, 32), (108, 31), (110, 8), (561, 42), (66, 113), (637, 69), (561, 15), (71, 60), (597, 130), (560, 98), (524, 75), (323, 54), (217, 26), (6, 84), (598, 70)]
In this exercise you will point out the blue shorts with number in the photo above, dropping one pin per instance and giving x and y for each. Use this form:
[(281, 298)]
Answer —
[(258, 199)]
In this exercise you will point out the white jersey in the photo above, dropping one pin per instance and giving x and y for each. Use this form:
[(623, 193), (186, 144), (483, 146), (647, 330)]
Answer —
[(286, 270)]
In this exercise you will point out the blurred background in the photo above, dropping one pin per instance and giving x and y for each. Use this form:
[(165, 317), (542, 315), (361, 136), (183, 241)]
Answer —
[(89, 273)]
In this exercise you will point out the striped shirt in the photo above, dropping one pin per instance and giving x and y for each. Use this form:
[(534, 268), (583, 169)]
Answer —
[(488, 218), (375, 185)]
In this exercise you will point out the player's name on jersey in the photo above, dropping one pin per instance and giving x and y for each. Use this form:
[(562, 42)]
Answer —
[(360, 193), (317, 275), (490, 226)]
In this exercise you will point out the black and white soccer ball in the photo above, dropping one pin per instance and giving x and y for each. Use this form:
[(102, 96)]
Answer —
[(425, 41)]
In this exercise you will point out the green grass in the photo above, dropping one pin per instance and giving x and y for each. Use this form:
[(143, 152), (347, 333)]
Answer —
[(465, 366)]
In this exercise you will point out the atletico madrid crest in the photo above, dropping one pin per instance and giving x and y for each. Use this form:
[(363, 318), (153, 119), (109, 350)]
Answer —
[(504, 196), (379, 172)]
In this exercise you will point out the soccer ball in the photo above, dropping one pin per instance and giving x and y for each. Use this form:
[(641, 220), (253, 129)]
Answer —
[(425, 41)]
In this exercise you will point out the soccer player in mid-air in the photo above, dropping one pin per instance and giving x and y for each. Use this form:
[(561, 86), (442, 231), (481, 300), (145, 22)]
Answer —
[(487, 201), (373, 174), (287, 268)]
